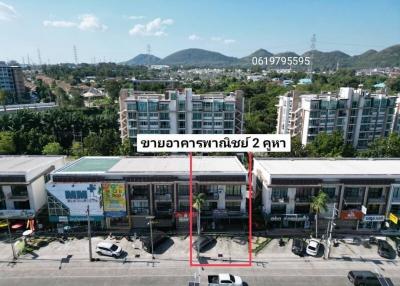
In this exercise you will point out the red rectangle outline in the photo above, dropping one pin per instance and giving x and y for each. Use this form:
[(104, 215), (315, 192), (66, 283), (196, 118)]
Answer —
[(249, 264)]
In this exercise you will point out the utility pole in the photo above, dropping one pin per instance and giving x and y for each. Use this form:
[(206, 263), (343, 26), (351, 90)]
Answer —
[(89, 234), (11, 242), (330, 230), (150, 218)]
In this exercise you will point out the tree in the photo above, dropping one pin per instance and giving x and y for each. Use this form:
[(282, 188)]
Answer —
[(7, 145), (318, 205), (52, 148), (77, 150), (330, 145), (113, 87), (198, 202), (384, 147), (126, 148), (3, 98)]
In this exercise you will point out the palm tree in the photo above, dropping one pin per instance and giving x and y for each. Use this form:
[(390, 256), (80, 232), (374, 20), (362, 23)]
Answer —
[(318, 205), (198, 201)]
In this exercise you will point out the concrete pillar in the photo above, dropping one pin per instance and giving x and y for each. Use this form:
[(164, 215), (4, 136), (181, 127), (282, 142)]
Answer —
[(341, 194), (266, 199), (221, 197), (292, 200), (243, 189)]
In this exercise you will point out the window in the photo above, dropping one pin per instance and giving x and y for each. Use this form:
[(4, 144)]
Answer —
[(396, 193), (228, 124), (183, 206), (153, 106), (19, 191), (164, 116), (375, 193), (197, 124), (181, 105), (233, 190), (183, 190), (164, 206), (278, 209), (164, 106), (164, 124), (2, 200), (232, 206), (142, 106), (162, 190), (140, 207), (153, 123), (229, 116), (197, 106), (229, 106), (22, 205), (181, 116), (182, 125), (207, 106), (279, 194), (132, 106), (196, 116), (218, 115), (218, 106)]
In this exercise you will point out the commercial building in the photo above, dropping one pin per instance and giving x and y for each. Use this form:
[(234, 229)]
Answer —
[(122, 192), (177, 112), (12, 80), (22, 184), (287, 187), (360, 116)]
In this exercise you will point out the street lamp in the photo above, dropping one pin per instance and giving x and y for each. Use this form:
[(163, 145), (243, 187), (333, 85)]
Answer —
[(150, 223)]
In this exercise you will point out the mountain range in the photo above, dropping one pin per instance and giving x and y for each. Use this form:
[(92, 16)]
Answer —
[(389, 57)]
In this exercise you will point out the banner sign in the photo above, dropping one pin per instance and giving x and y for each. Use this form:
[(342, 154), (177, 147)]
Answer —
[(114, 199), (213, 143), (393, 218), (22, 214), (374, 218), (77, 197), (351, 215)]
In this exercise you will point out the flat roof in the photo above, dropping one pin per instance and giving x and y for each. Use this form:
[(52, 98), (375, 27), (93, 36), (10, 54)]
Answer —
[(90, 165), (154, 165), (179, 164), (344, 167), (28, 166)]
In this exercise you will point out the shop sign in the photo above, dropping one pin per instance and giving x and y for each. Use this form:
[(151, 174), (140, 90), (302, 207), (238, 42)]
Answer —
[(220, 213), (114, 199), (393, 218), (351, 215), (289, 217), (374, 218), (63, 219), (77, 197), (23, 214)]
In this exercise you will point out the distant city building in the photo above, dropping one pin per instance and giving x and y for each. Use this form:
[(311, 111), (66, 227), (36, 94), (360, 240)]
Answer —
[(180, 112), (12, 81), (31, 106), (360, 116)]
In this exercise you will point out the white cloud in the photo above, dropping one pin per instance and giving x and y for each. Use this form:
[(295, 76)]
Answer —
[(223, 40), (155, 27), (229, 41), (87, 22), (59, 24), (194, 37), (136, 17), (90, 22), (7, 12)]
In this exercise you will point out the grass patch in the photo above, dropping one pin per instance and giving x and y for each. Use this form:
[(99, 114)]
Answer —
[(260, 244)]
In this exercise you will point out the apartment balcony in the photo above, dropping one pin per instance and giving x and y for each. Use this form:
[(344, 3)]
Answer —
[(380, 200), (354, 200), (163, 213), (167, 197), (233, 197), (18, 197), (140, 198), (396, 200), (306, 199)]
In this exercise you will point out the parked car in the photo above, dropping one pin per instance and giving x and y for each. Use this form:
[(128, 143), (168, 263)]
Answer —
[(203, 241), (224, 279), (108, 249), (312, 247), (363, 278), (158, 238), (386, 250), (299, 246)]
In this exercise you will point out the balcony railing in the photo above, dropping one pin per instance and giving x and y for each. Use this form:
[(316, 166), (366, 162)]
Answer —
[(280, 199), (305, 199), (354, 199), (233, 197), (18, 197), (167, 197), (379, 200)]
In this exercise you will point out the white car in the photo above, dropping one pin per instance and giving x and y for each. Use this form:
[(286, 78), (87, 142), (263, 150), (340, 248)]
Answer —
[(312, 247), (108, 249)]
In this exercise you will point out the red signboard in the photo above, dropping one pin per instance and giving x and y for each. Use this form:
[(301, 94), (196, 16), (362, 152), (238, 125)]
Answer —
[(351, 215)]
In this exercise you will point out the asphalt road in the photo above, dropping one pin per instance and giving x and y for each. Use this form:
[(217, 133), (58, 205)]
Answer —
[(273, 272)]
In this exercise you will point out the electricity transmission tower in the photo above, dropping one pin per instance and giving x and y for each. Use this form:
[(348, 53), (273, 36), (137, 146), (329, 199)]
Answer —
[(313, 47)]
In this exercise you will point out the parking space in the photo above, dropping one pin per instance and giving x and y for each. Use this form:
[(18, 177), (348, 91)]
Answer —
[(178, 247)]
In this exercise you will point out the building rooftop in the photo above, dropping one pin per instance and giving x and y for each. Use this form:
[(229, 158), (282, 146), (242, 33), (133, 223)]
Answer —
[(153, 165), (29, 166), (90, 165), (179, 164), (331, 167)]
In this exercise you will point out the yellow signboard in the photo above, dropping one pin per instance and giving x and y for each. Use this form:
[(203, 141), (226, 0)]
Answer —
[(393, 218), (114, 201)]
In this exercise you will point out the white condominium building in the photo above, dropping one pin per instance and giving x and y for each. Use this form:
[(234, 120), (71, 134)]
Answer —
[(360, 116), (180, 112)]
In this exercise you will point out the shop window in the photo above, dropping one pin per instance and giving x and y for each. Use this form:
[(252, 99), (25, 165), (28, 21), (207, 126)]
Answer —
[(19, 191), (233, 190), (22, 205)]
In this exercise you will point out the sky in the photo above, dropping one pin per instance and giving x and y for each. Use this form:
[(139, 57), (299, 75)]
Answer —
[(120, 29)]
